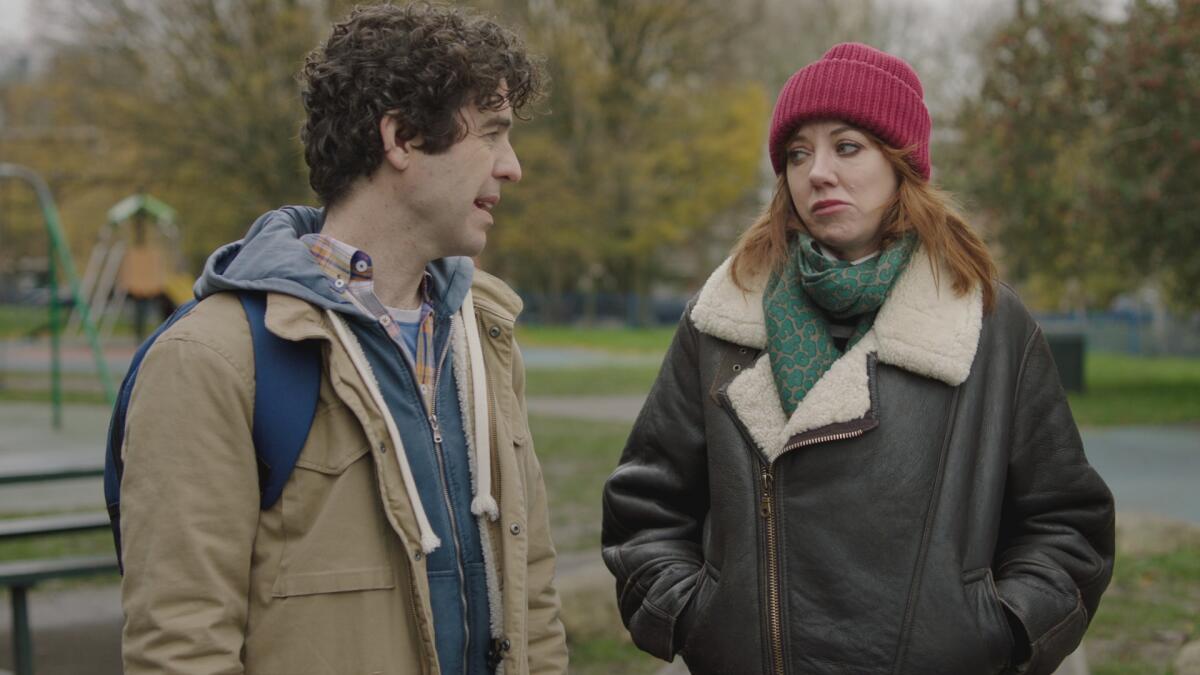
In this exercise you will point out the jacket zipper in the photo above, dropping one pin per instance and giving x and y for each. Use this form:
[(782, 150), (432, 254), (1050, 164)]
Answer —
[(766, 510), (774, 611), (436, 431), (823, 439)]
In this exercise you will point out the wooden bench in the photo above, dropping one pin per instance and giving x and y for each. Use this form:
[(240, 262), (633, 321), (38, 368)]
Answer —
[(21, 575)]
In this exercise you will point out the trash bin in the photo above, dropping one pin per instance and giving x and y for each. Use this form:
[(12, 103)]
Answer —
[(1067, 350)]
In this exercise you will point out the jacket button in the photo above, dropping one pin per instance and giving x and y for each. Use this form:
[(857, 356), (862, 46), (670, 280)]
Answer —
[(515, 528), (742, 350), (737, 367), (505, 645), (494, 331), (383, 448), (418, 556)]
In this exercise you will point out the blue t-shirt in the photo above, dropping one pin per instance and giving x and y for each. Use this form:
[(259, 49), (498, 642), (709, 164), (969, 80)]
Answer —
[(409, 322)]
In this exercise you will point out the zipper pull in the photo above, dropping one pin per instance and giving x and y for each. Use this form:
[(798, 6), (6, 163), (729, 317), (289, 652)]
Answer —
[(437, 432), (767, 482)]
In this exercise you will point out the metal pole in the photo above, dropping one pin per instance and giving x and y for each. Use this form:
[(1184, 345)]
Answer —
[(59, 245), (22, 643), (55, 348)]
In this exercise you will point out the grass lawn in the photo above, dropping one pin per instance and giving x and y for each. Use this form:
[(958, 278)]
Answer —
[(53, 546), (598, 381), (21, 321), (611, 339), (1124, 389), (576, 456), (604, 656), (57, 546), (1121, 390), (43, 396), (24, 321), (1151, 608)]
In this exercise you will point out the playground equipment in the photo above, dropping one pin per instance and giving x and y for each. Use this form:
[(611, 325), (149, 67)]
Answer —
[(133, 259), (60, 261)]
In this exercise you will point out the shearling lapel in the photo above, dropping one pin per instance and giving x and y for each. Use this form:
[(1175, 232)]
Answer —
[(723, 310), (922, 328)]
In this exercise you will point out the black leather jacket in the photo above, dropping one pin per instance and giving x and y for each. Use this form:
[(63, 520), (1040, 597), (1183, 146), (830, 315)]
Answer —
[(941, 519)]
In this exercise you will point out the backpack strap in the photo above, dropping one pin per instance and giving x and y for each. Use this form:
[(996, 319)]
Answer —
[(287, 384), (114, 464)]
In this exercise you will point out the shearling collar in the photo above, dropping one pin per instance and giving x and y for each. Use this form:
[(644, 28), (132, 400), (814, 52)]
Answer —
[(923, 327)]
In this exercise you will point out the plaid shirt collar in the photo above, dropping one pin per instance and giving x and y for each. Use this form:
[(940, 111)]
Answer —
[(352, 275)]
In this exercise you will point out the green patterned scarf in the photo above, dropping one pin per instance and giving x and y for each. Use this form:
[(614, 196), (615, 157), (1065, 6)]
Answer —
[(810, 289)]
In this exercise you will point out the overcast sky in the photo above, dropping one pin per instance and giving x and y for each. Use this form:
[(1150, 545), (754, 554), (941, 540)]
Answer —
[(14, 15)]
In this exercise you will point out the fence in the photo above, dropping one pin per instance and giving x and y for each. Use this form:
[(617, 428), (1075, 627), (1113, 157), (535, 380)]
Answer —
[(1127, 331), (1130, 332)]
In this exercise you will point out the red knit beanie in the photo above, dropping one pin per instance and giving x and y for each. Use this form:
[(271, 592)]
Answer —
[(863, 86)]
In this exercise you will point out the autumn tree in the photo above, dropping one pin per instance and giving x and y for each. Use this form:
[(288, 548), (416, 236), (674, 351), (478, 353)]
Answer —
[(195, 101), (1149, 80), (641, 168), (1079, 149), (650, 138)]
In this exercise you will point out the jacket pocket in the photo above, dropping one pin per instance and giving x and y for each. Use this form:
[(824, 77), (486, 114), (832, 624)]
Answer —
[(335, 440), (984, 601), (694, 620), (333, 536), (340, 581)]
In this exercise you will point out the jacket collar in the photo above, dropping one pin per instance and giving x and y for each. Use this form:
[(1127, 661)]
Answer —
[(295, 319), (923, 327)]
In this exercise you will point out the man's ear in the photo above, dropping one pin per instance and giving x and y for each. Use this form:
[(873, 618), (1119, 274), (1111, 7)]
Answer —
[(396, 152)]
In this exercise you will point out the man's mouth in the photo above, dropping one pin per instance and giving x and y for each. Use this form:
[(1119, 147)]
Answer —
[(487, 203)]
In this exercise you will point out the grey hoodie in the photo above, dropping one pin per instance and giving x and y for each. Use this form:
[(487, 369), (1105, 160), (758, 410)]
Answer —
[(271, 257)]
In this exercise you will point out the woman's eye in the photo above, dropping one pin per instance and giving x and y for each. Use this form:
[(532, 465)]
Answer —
[(797, 155), (848, 148)]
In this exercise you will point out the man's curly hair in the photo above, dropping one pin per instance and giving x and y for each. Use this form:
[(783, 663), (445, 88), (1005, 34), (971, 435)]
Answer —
[(420, 63)]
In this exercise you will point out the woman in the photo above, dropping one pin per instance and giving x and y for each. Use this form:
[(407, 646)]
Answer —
[(857, 457)]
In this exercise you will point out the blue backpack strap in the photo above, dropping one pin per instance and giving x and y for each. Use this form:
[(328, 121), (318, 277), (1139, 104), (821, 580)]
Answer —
[(287, 383), (114, 466)]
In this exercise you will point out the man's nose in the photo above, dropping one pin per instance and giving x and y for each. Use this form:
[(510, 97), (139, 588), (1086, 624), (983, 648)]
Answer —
[(508, 167)]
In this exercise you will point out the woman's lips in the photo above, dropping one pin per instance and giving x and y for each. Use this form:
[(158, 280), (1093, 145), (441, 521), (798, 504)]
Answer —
[(828, 206)]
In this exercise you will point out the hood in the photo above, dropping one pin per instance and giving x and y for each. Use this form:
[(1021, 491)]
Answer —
[(272, 258)]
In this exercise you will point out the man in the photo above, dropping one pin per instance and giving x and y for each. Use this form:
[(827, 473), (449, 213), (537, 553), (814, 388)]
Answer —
[(396, 547)]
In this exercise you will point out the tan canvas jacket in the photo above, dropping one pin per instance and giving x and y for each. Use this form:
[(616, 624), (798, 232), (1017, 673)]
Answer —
[(331, 579)]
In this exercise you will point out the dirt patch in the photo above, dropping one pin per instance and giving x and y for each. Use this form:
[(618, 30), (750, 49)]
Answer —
[(1152, 607)]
